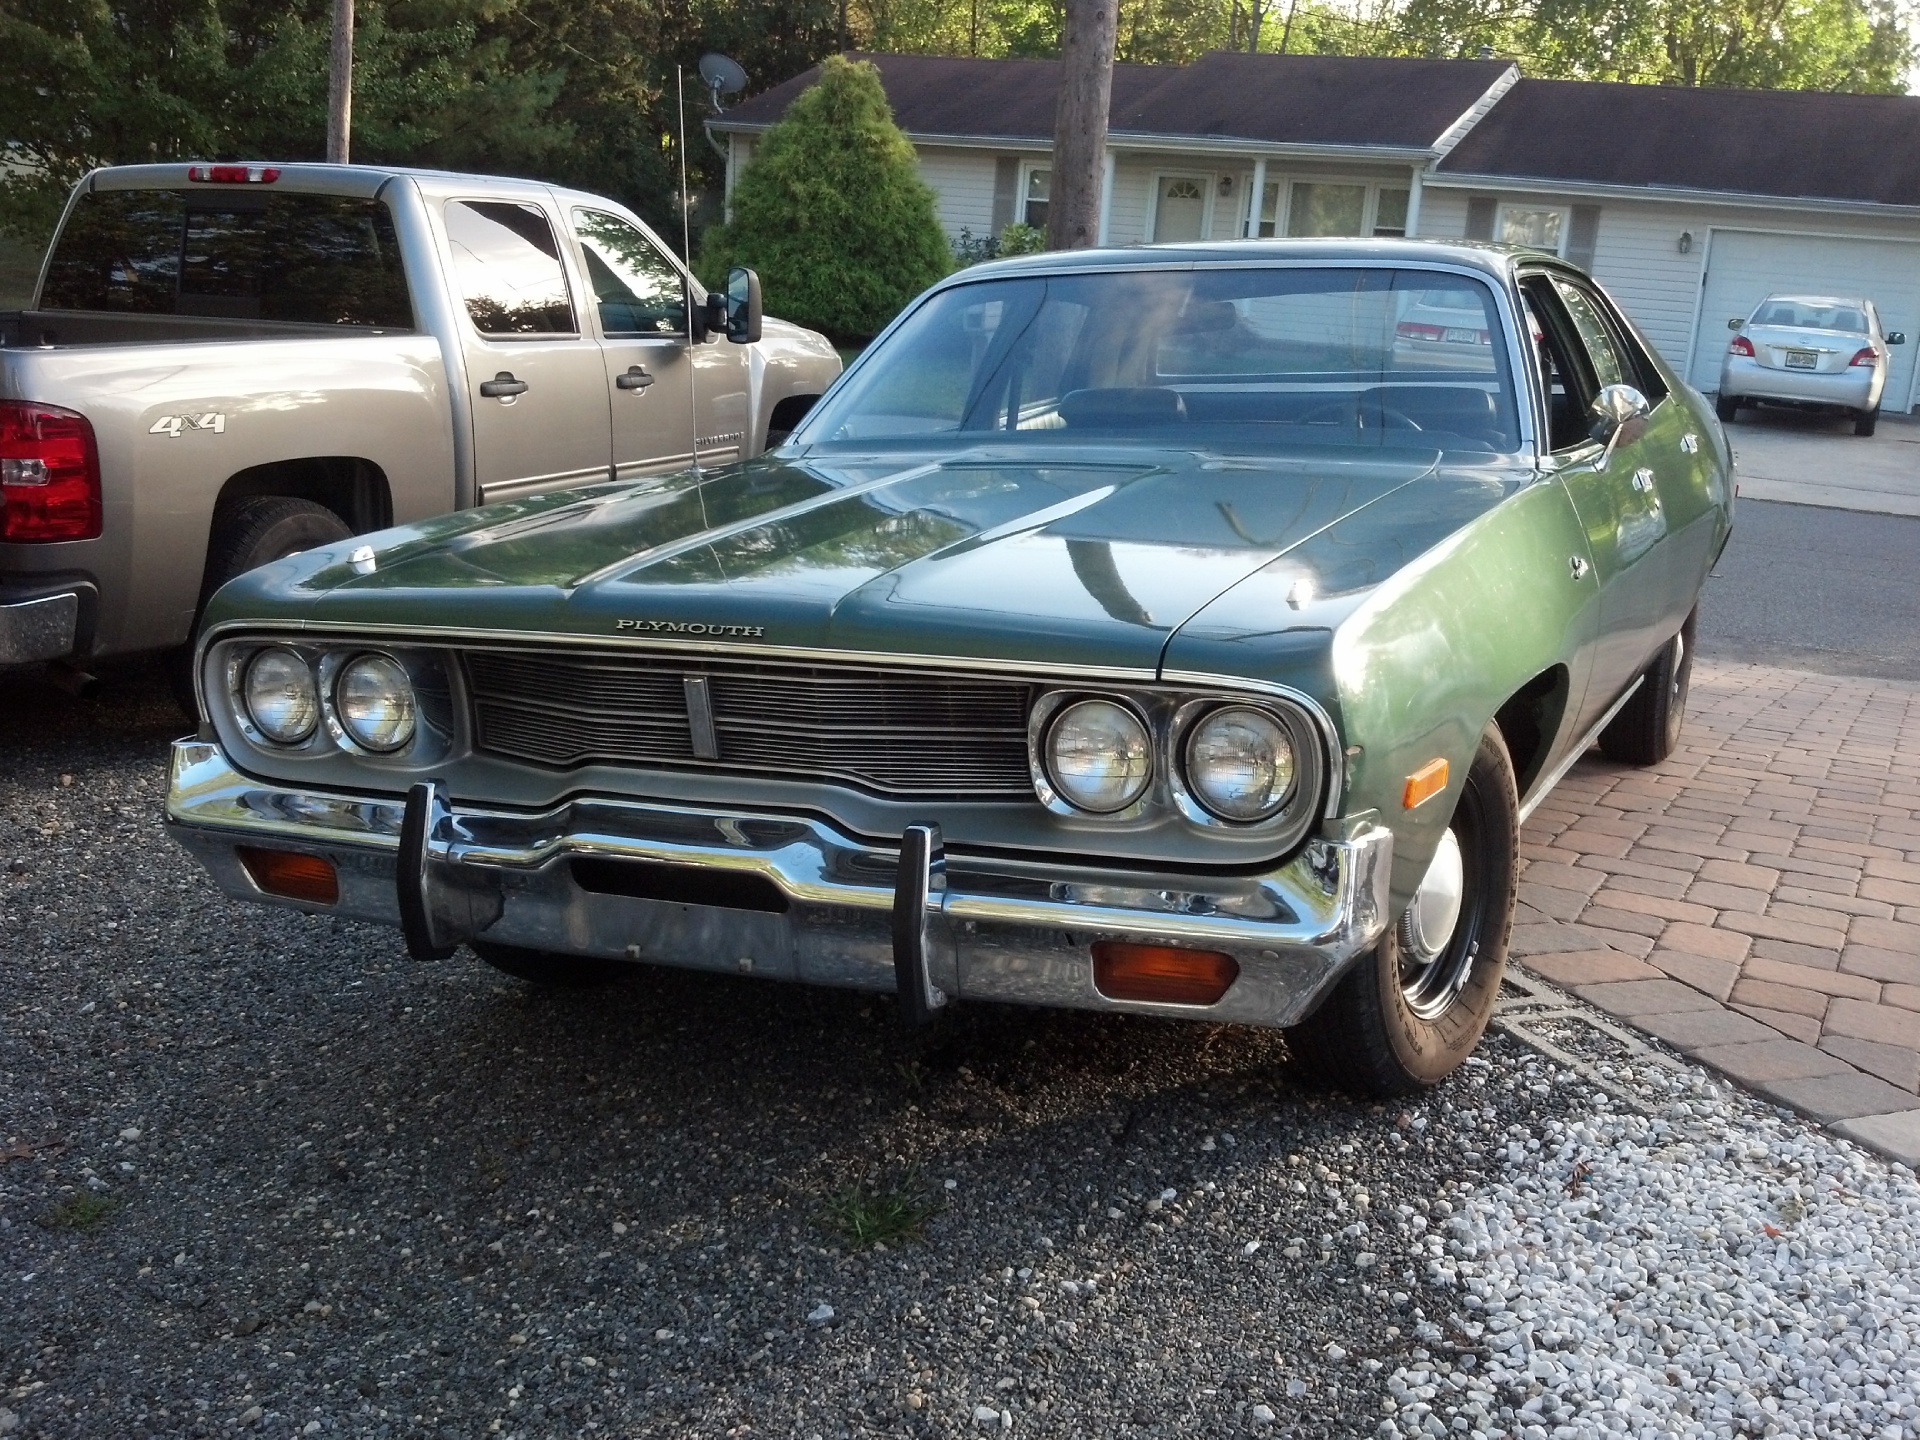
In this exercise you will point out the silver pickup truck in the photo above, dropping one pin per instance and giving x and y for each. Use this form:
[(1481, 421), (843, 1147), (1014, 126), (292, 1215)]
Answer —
[(224, 364)]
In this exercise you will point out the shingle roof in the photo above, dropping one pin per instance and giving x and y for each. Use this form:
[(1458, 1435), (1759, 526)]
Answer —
[(1796, 144), (1285, 99)]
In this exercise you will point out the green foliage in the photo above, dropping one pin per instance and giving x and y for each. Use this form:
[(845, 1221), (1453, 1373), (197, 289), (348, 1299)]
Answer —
[(832, 211), (1020, 238), (81, 1210), (863, 1215)]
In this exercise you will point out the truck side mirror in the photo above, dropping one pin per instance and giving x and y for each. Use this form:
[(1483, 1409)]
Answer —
[(699, 317), (742, 314), (1896, 337), (1736, 323)]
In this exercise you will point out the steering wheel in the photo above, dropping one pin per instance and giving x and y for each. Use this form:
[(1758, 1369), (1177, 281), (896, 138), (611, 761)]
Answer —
[(1341, 410)]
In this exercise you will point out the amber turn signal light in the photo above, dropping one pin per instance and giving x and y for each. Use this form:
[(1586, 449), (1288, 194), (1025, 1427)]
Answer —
[(1425, 783), (1164, 974), (297, 877)]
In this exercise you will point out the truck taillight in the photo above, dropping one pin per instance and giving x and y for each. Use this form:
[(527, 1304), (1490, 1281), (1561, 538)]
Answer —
[(49, 474), (233, 174), (1741, 346)]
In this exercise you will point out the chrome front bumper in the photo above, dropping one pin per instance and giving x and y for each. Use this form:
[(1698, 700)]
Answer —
[(812, 904)]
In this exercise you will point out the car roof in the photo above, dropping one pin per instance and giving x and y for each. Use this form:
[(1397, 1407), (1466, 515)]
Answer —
[(1834, 300), (1493, 260)]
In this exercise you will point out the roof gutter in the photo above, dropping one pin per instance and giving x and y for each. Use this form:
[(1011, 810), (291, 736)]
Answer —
[(1538, 185), (1226, 145)]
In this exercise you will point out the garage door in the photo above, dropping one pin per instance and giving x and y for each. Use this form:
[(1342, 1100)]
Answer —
[(1746, 266)]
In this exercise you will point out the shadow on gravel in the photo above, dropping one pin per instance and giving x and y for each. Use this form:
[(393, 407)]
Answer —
[(334, 1188)]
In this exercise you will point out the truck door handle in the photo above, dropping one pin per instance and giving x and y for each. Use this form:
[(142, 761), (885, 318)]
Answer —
[(503, 386), (636, 378)]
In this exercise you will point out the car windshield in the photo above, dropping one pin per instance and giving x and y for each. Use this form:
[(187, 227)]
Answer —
[(1812, 315), (1220, 359)]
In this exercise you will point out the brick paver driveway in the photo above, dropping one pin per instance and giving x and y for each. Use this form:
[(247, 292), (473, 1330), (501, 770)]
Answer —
[(1755, 901)]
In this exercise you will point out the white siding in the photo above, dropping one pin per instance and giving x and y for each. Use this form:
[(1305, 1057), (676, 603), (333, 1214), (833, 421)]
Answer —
[(1638, 259), (963, 182)]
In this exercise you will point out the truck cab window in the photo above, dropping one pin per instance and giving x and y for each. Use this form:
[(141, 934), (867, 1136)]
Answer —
[(506, 267), (295, 259), (639, 291)]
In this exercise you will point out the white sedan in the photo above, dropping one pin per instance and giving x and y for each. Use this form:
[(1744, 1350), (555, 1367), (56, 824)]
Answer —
[(1810, 351)]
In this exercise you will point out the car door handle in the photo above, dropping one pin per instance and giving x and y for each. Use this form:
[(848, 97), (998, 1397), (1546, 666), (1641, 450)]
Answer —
[(1643, 481), (636, 378), (503, 386)]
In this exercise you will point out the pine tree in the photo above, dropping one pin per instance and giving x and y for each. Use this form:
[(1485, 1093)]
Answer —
[(832, 211)]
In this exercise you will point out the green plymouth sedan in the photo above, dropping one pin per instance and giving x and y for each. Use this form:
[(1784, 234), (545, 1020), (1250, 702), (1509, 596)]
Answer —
[(1182, 631)]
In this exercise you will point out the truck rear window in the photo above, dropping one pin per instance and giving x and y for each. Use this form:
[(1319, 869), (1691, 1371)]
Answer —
[(297, 259)]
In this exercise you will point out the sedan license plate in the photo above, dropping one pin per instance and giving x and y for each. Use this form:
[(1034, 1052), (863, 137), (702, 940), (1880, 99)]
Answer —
[(1802, 360), (1458, 336)]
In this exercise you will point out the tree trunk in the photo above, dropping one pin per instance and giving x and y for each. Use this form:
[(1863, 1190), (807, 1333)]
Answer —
[(1080, 124), (340, 85)]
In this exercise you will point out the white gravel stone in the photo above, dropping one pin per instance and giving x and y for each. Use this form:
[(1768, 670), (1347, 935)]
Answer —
[(1710, 1268), (821, 1314)]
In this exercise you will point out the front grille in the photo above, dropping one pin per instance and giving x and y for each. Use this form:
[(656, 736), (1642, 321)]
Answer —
[(896, 732)]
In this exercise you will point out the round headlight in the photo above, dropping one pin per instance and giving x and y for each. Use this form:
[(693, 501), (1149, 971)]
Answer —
[(1240, 763), (1099, 756), (281, 697), (374, 700)]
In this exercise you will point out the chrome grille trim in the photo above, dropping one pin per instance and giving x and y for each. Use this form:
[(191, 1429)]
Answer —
[(902, 733)]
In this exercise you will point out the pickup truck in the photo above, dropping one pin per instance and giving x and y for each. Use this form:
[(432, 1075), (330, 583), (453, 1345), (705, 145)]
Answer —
[(227, 364)]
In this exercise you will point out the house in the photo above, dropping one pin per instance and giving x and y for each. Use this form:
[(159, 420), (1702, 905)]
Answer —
[(1690, 205)]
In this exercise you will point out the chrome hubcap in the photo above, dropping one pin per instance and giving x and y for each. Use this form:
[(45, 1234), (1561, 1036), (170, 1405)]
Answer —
[(1432, 970)]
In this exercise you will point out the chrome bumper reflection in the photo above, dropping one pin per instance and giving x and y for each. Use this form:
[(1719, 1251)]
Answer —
[(999, 930)]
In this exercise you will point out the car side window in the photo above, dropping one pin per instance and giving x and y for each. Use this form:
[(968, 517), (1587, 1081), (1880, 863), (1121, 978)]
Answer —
[(506, 268), (1567, 376), (1635, 366), (1609, 367), (638, 290)]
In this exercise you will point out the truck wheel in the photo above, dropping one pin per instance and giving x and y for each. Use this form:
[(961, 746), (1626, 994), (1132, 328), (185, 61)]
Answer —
[(1647, 728), (1410, 1011), (545, 967), (1727, 407), (248, 534)]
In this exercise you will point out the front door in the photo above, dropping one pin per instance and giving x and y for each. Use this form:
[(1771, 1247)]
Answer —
[(1180, 208), (538, 389), (650, 372), (1614, 488)]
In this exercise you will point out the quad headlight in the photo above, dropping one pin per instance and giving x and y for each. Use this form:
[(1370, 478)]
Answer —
[(1240, 763), (1099, 756), (281, 696), (373, 700)]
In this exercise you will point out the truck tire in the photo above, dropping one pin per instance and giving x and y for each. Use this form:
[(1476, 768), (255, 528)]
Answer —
[(250, 533), (1410, 1011), (549, 969), (1647, 728)]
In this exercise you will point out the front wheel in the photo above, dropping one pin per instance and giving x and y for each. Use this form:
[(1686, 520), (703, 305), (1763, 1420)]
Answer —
[(548, 968), (1408, 1013), (1647, 729)]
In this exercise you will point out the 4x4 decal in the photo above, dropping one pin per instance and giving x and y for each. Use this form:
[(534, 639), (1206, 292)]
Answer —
[(173, 425)]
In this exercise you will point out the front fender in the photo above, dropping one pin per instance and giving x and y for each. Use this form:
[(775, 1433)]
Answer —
[(1425, 662)]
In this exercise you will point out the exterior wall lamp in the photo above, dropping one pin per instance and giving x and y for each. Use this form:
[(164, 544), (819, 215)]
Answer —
[(1686, 241)]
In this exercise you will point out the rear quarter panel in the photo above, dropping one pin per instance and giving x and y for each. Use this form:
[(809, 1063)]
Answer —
[(382, 399)]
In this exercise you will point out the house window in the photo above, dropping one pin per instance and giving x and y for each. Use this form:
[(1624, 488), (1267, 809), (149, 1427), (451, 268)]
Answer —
[(1390, 212), (1181, 203), (1268, 225), (1316, 208), (1544, 228), (1033, 205)]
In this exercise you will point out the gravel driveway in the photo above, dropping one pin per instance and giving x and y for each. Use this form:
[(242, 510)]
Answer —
[(259, 1172)]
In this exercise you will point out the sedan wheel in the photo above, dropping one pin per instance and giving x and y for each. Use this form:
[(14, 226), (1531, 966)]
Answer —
[(1410, 1012), (1727, 407), (1647, 729), (1865, 423)]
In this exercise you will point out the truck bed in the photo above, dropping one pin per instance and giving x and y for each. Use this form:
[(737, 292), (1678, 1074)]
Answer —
[(26, 328)]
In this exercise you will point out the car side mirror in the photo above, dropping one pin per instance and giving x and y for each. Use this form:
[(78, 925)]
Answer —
[(1736, 323), (741, 315), (1619, 416), (1896, 337)]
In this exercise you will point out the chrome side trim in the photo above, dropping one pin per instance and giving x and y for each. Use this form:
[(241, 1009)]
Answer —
[(1544, 786)]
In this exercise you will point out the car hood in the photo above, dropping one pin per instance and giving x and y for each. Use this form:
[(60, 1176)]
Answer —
[(1092, 559)]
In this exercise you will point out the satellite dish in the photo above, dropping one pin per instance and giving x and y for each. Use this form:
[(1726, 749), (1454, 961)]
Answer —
[(723, 75)]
